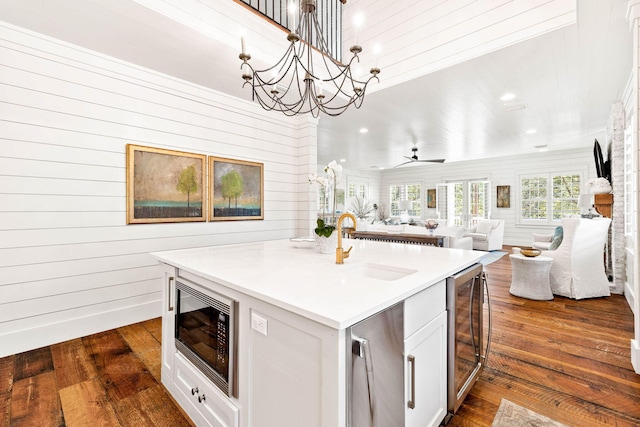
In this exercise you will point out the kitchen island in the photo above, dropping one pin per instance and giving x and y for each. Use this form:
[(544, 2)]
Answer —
[(291, 351)]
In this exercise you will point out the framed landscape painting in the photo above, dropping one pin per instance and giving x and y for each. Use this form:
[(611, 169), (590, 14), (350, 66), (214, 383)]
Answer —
[(164, 185), (504, 196), (236, 190)]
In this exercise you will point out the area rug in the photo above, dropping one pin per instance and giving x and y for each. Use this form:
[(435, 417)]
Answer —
[(492, 256), (511, 415)]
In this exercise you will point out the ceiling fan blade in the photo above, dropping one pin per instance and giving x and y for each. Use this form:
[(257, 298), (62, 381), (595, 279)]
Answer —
[(411, 159), (433, 160), (401, 164)]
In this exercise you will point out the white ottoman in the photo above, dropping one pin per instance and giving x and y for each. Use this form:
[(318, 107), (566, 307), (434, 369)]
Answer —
[(530, 277)]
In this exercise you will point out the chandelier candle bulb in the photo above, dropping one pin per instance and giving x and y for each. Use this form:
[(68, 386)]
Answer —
[(292, 12), (357, 22), (242, 43)]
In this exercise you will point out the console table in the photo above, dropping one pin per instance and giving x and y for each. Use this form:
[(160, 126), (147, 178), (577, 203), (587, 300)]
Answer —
[(419, 239)]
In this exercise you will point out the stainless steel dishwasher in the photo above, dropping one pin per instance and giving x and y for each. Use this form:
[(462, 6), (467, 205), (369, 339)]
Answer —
[(376, 370)]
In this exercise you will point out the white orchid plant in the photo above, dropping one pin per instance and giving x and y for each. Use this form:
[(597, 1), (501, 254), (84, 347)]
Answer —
[(329, 185)]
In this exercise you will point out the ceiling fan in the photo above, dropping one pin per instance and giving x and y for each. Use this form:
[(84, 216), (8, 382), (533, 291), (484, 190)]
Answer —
[(414, 159)]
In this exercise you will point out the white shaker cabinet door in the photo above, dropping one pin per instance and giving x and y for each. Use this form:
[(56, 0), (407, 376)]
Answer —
[(426, 374)]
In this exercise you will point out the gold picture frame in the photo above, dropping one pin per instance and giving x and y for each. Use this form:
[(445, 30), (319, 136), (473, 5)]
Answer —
[(165, 185), (236, 190)]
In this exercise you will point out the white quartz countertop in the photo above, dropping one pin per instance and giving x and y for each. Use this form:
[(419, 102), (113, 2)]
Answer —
[(312, 285)]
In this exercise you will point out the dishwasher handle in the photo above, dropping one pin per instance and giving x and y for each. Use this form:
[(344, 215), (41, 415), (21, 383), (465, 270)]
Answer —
[(360, 347)]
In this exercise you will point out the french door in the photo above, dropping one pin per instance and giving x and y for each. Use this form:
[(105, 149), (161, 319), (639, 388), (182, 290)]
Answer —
[(464, 202)]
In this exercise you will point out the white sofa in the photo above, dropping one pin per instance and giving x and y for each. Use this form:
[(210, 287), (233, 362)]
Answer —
[(578, 263), (454, 236), (487, 235)]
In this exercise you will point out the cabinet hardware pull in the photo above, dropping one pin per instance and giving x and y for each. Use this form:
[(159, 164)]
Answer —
[(170, 307), (194, 391), (201, 398), (412, 398)]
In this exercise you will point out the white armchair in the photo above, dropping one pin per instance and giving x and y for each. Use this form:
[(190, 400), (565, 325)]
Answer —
[(578, 263), (547, 242), (487, 235)]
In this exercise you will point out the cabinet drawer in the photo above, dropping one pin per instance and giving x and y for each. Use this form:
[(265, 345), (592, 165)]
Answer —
[(214, 408), (423, 307)]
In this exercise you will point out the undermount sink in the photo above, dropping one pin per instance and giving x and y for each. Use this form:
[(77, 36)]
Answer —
[(378, 271)]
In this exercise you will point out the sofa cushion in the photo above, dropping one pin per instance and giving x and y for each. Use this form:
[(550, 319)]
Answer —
[(542, 245), (395, 229), (455, 231), (477, 236), (484, 227), (414, 229)]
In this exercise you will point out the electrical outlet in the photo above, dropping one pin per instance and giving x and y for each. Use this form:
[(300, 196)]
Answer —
[(259, 324)]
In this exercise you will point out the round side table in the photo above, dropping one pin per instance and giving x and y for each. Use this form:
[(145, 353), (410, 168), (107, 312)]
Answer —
[(530, 277)]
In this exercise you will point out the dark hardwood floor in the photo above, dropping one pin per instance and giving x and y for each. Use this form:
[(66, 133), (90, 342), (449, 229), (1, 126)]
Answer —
[(566, 359)]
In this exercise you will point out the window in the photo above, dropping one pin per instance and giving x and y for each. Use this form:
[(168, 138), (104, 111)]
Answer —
[(411, 192), (549, 197), (357, 189), (533, 193)]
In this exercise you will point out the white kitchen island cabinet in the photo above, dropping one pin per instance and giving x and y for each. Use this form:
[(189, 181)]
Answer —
[(292, 310)]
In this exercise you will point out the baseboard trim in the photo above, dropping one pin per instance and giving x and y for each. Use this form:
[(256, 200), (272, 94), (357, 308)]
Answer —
[(15, 342), (635, 356), (629, 295)]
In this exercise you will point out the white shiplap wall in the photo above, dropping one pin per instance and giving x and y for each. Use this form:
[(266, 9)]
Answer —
[(500, 171), (69, 264)]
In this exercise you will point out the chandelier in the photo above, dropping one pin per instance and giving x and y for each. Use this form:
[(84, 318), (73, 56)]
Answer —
[(295, 85)]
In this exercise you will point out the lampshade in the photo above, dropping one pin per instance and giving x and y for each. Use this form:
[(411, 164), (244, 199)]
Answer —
[(585, 201), (404, 205)]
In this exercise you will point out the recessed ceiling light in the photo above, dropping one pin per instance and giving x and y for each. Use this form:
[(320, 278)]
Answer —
[(364, 130), (531, 131), (508, 97), (343, 160)]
